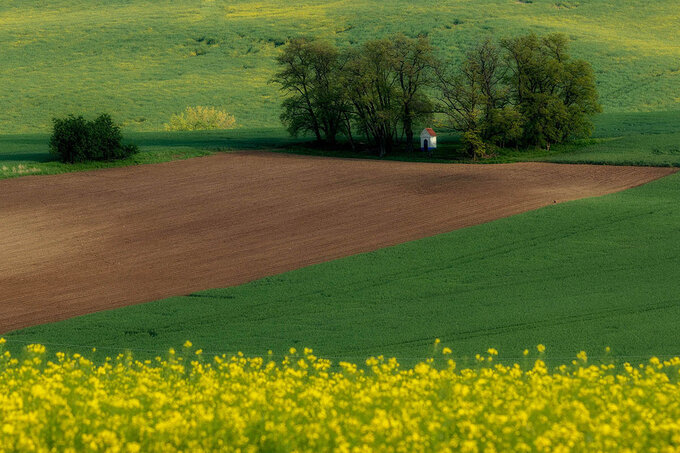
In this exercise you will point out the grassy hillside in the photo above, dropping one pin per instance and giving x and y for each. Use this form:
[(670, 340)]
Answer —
[(581, 275), (143, 61)]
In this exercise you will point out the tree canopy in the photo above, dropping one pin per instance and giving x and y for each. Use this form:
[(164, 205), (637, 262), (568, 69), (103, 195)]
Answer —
[(524, 91)]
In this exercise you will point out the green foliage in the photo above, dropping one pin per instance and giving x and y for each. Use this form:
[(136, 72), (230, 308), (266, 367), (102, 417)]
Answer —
[(200, 118), (555, 95), (75, 139), (371, 90), (474, 145), (412, 62), (575, 276), (375, 88), (504, 126), (309, 77), (530, 93)]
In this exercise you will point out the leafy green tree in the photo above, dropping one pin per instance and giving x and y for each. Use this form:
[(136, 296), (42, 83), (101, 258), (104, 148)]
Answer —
[(371, 88), (504, 127), (487, 66), (579, 94), (474, 145), (461, 98), (556, 95), (474, 96), (309, 76), (412, 61), (528, 92), (75, 139)]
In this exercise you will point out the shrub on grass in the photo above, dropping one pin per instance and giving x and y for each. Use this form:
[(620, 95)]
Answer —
[(200, 118), (474, 145), (75, 139)]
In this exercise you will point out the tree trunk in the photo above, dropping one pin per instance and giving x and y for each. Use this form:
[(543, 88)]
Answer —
[(348, 132), (409, 139), (382, 144), (317, 133), (408, 128), (330, 139)]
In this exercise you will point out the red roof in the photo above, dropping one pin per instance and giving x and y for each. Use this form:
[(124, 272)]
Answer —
[(431, 132)]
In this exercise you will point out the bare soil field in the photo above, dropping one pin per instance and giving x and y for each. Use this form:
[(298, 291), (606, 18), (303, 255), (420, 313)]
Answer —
[(83, 242)]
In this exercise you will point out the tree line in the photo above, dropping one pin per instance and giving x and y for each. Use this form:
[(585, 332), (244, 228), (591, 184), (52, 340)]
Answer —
[(519, 92)]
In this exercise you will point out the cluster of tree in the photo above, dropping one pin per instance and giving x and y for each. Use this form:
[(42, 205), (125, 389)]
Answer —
[(524, 91), (75, 139)]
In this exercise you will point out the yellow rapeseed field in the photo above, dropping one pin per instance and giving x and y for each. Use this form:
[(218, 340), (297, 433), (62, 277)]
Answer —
[(188, 402)]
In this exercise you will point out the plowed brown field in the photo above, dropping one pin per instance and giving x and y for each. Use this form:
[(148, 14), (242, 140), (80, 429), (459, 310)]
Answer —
[(82, 242)]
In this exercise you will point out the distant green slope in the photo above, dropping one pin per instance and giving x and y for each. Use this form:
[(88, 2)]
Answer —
[(581, 275), (141, 61)]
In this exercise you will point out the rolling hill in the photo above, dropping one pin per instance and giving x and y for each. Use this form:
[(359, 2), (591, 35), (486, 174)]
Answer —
[(143, 61)]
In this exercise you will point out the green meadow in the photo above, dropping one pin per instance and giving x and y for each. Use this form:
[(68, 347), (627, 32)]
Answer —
[(143, 61), (576, 276)]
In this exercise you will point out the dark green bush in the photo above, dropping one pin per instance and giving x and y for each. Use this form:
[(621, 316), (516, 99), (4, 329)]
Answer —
[(75, 139)]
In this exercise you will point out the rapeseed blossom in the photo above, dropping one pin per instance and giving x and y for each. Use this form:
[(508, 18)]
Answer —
[(188, 402)]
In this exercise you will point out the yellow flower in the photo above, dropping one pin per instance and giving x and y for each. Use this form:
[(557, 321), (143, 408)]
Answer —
[(540, 348), (582, 356), (39, 391), (36, 348), (199, 351), (526, 352), (126, 404), (292, 351), (3, 341)]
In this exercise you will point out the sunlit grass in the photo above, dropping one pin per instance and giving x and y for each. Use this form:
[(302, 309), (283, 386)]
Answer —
[(143, 63)]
